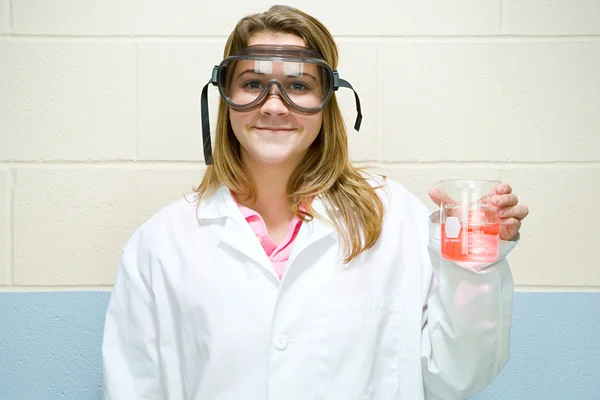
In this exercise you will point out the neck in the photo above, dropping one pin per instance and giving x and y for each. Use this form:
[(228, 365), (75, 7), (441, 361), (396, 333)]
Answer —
[(271, 187)]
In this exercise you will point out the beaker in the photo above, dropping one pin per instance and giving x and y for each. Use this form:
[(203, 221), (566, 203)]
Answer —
[(469, 222)]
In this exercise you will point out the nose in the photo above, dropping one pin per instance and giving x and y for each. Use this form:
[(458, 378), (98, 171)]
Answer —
[(274, 104)]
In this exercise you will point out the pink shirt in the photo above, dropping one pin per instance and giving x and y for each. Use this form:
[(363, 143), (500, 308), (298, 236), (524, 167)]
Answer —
[(278, 255)]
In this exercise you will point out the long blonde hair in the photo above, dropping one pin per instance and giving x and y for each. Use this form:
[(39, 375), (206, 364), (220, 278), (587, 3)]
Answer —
[(325, 170)]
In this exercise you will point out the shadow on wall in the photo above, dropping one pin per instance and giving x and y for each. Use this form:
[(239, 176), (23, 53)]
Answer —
[(50, 347)]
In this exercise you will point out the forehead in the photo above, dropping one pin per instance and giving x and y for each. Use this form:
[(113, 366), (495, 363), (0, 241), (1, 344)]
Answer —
[(276, 38), (288, 68)]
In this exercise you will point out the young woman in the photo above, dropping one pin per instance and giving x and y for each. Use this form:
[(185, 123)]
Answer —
[(292, 274)]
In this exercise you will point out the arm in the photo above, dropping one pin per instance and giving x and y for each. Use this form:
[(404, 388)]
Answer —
[(466, 328), (129, 350)]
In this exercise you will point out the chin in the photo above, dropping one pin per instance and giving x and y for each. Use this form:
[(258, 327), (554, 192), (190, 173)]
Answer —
[(278, 158), (273, 161)]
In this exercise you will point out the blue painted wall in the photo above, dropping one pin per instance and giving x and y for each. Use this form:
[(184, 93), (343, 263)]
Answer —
[(50, 347)]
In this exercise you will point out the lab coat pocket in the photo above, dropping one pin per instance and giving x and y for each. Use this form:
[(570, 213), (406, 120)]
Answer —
[(359, 348)]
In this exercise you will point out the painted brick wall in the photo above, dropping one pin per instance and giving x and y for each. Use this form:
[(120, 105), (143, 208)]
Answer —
[(99, 119)]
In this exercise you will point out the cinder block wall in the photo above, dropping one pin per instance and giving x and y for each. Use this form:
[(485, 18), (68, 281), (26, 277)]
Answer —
[(100, 121)]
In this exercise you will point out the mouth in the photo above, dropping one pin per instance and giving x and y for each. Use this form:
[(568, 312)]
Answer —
[(273, 129)]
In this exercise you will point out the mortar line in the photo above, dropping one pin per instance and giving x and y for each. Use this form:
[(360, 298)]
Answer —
[(79, 288), (502, 4), (137, 101), (196, 164), (379, 103), (9, 17), (61, 288), (487, 164), (10, 211), (379, 38), (557, 288)]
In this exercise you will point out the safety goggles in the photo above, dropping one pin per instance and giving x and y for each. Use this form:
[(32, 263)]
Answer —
[(298, 76)]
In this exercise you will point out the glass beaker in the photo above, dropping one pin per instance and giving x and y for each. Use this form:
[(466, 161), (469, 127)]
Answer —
[(469, 221)]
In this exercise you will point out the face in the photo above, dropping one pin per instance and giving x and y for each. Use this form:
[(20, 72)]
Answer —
[(274, 135)]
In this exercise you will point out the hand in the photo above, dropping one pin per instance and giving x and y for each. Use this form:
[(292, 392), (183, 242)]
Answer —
[(510, 212)]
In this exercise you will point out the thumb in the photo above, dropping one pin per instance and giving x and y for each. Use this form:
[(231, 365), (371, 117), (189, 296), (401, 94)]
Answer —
[(436, 195)]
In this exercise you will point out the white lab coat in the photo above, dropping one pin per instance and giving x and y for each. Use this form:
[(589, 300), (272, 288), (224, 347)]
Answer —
[(197, 312)]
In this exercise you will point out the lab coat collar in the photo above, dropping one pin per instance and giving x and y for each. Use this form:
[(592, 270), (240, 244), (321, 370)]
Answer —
[(238, 234), (219, 205)]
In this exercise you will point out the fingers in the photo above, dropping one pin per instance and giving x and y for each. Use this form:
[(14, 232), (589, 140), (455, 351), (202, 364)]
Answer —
[(509, 228), (505, 200), (436, 195), (507, 203), (512, 224), (503, 188), (519, 212)]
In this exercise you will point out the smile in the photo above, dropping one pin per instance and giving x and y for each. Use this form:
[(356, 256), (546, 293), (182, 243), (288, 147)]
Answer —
[(273, 130)]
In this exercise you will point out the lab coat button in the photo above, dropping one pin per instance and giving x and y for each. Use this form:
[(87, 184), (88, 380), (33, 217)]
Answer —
[(280, 342)]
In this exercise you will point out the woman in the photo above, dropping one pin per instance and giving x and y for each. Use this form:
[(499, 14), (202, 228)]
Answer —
[(293, 275)]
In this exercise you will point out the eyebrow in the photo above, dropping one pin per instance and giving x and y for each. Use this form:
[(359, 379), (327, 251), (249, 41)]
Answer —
[(253, 71)]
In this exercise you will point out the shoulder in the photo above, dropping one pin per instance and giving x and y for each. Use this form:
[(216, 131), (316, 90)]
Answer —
[(177, 218), (395, 195), (403, 209)]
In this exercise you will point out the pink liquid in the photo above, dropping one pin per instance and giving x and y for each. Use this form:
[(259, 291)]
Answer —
[(476, 243)]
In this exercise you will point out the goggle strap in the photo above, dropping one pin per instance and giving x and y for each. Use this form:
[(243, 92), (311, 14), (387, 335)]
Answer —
[(215, 74), (206, 144), (342, 83)]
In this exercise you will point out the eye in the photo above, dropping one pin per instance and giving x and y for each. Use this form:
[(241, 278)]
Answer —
[(253, 85), (298, 87)]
